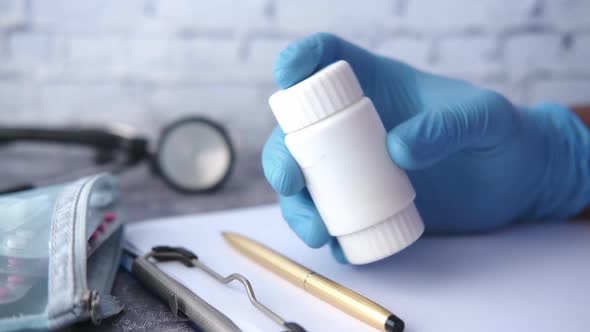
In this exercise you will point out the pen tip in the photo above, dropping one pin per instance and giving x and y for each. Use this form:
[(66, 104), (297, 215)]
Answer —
[(394, 324), (229, 236)]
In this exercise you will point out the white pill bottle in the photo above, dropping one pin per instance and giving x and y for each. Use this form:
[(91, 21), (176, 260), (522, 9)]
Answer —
[(334, 133)]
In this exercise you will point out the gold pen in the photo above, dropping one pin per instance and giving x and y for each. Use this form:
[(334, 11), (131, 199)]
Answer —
[(337, 295)]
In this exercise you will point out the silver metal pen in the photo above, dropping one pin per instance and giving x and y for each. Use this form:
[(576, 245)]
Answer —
[(179, 297)]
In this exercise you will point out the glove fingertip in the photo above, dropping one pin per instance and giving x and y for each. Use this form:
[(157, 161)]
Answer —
[(315, 238), (285, 178), (304, 219), (401, 153), (337, 251), (297, 62), (279, 167)]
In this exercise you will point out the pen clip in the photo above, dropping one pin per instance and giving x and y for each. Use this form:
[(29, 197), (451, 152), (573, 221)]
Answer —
[(174, 307), (178, 254), (190, 259), (173, 304)]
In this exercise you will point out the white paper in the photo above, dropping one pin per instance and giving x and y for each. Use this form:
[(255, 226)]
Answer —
[(523, 278)]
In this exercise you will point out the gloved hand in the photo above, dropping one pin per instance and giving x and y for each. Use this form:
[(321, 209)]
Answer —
[(476, 161)]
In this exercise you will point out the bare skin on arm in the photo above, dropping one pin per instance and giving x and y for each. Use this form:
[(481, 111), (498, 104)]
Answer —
[(583, 112)]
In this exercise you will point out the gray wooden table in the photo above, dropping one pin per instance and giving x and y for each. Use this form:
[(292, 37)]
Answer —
[(146, 197)]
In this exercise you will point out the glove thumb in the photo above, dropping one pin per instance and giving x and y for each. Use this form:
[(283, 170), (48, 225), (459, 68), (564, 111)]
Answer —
[(304, 57), (480, 120)]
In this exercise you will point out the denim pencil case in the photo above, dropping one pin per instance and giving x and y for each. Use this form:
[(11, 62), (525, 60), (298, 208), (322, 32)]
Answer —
[(59, 252)]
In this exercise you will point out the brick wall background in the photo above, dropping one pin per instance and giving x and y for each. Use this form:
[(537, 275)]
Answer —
[(146, 62)]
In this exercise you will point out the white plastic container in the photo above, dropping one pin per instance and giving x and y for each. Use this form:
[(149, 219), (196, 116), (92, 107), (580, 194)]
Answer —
[(334, 133)]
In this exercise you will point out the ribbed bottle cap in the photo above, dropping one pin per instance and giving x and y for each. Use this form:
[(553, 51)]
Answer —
[(383, 239), (324, 93)]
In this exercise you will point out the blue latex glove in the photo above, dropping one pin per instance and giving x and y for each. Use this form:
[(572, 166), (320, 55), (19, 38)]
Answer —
[(476, 161)]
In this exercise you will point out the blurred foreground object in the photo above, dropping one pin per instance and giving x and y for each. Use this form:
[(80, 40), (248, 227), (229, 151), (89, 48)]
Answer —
[(192, 155)]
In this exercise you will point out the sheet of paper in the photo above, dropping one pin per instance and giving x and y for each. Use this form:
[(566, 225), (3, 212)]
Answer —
[(523, 278)]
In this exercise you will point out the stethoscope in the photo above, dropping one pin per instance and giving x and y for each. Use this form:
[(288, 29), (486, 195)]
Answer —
[(192, 155)]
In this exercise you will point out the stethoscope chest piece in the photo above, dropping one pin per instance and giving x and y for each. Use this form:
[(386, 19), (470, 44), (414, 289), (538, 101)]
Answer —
[(194, 155)]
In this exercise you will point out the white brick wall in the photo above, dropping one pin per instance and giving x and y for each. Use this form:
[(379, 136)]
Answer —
[(15, 97), (479, 51), (563, 90), (88, 16), (221, 15), (261, 55), (410, 49), (450, 16), (12, 13), (146, 62), (577, 60), (347, 18), (96, 102), (532, 53), (31, 48), (568, 14)]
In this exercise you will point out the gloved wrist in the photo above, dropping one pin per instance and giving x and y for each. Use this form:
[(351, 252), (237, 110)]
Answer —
[(565, 188)]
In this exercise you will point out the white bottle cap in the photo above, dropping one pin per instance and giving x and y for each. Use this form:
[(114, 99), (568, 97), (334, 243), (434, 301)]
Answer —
[(383, 239), (326, 92)]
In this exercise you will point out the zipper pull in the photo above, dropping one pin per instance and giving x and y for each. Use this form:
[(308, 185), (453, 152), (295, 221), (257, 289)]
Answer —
[(90, 302)]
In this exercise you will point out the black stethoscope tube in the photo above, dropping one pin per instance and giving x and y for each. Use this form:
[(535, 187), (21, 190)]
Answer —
[(136, 147)]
